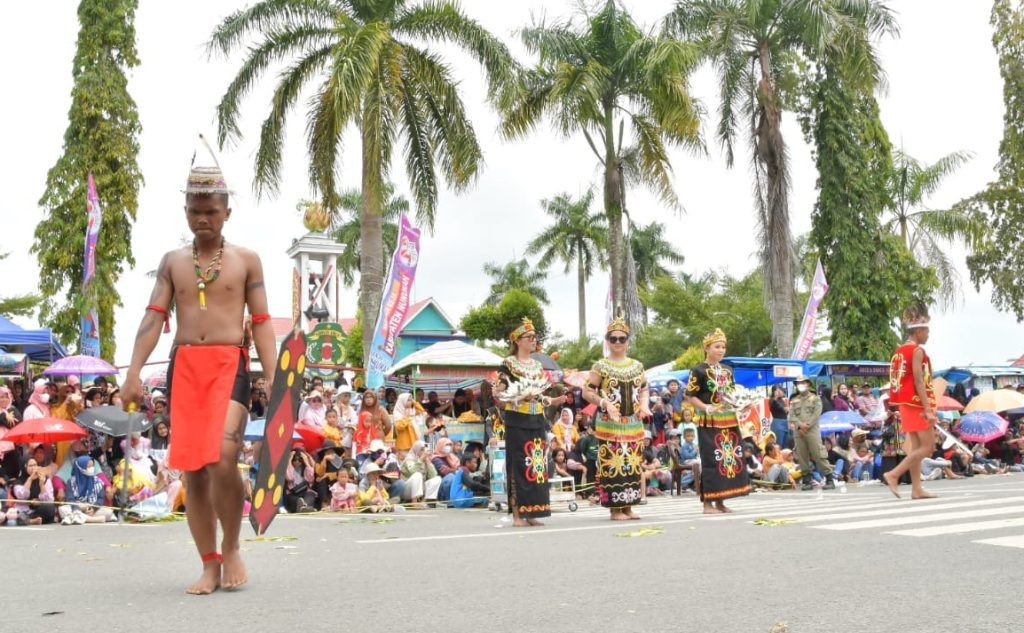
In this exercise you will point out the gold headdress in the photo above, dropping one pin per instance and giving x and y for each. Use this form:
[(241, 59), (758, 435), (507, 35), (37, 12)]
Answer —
[(618, 324), (717, 336), (527, 326), (206, 180)]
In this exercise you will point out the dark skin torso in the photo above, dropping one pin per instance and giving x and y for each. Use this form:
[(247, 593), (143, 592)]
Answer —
[(221, 322)]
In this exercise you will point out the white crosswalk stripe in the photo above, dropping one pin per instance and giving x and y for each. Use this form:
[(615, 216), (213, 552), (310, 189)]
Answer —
[(1004, 541)]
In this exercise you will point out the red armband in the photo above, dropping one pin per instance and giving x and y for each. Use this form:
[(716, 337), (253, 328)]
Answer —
[(163, 311), (260, 318)]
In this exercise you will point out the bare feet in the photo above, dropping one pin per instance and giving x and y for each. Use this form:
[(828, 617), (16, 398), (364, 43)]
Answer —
[(234, 575), (520, 523), (209, 581), (710, 509), (629, 514), (534, 522), (721, 508), (619, 516), (892, 484), (922, 494)]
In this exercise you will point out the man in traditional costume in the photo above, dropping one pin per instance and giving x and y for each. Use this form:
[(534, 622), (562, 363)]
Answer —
[(211, 282), (618, 386), (722, 471), (520, 386)]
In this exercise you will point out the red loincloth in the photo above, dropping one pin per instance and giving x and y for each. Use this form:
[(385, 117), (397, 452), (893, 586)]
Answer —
[(201, 382)]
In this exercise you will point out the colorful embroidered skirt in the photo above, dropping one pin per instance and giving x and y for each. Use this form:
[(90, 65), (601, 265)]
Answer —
[(619, 461), (722, 473), (526, 465)]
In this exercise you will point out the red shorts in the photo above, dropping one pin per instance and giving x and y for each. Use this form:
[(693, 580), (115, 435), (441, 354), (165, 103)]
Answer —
[(912, 419)]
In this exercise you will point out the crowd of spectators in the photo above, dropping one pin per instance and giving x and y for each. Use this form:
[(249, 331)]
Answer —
[(387, 450)]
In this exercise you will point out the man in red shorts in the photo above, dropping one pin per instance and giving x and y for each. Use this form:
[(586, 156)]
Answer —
[(211, 283)]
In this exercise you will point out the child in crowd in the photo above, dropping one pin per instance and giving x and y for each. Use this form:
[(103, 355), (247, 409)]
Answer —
[(561, 464), (373, 496), (862, 462), (344, 493)]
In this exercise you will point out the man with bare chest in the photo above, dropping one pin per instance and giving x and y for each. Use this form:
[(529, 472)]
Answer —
[(210, 284)]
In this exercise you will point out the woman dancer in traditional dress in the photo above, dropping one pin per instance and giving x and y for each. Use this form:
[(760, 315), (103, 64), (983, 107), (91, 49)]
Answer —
[(618, 387), (525, 428), (722, 473), (910, 382)]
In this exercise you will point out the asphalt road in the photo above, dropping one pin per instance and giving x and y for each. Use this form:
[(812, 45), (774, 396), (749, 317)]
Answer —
[(858, 560)]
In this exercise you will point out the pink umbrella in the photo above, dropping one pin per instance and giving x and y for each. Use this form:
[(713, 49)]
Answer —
[(312, 437), (5, 446), (80, 366), (46, 431), (156, 379), (577, 379)]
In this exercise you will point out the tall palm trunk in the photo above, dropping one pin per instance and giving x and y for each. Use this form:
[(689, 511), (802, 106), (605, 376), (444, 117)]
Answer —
[(371, 240), (778, 256), (613, 208), (581, 294)]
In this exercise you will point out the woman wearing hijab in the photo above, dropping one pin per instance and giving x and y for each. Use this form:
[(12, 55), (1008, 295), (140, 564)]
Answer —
[(38, 403), (379, 417), (407, 415), (34, 494), (565, 430), (444, 458), (420, 474), (161, 436), (84, 493)]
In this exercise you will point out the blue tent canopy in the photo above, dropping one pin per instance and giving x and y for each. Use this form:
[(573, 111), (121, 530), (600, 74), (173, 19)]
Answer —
[(40, 345), (960, 374), (751, 372)]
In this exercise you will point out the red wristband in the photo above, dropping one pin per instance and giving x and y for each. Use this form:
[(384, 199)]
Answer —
[(260, 318), (163, 311)]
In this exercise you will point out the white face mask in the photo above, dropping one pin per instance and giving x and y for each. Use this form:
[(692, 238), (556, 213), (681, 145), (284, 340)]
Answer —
[(45, 398), (90, 471), (446, 450), (802, 388)]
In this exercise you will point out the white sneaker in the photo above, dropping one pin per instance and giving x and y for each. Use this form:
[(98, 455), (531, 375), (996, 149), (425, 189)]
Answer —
[(66, 520), (78, 518), (932, 476)]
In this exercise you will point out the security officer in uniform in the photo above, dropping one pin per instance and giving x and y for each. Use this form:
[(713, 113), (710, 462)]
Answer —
[(804, 411)]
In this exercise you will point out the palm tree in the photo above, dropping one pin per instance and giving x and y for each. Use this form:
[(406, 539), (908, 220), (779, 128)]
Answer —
[(346, 228), (576, 235), (601, 76), (755, 46), (368, 65), (650, 250), (515, 275), (928, 233)]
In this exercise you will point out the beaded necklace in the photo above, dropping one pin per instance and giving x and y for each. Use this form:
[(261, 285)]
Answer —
[(203, 278)]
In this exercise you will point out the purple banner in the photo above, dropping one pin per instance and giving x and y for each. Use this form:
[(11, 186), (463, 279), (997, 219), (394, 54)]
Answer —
[(90, 344), (394, 304), (806, 338), (92, 232)]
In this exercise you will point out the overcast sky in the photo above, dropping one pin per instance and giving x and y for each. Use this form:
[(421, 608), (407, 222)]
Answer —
[(944, 95)]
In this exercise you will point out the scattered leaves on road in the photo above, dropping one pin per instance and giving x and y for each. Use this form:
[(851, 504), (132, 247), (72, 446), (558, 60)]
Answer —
[(773, 522), (645, 531), (270, 539)]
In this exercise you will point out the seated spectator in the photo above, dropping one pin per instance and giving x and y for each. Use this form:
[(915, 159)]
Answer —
[(445, 460), (312, 411), (862, 461), (33, 491), (136, 448), (407, 416), (392, 476), (558, 457), (373, 495), (466, 490), (161, 436), (422, 479), (299, 495), (84, 493), (755, 470), (343, 493), (937, 466), (565, 431), (138, 486), (332, 426), (330, 461), (655, 475), (774, 467)]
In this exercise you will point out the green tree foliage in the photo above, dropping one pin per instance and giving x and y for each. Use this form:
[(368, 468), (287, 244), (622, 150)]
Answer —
[(346, 228), (872, 275), (930, 233), (575, 353), (354, 343), (101, 137), (575, 236), (495, 322), (997, 259), (651, 251), (18, 305), (371, 69), (695, 306), (625, 91), (756, 46), (690, 358), (517, 274), (657, 344)]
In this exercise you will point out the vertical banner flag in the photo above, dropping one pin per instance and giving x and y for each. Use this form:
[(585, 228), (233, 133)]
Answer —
[(394, 304), (90, 339), (806, 338)]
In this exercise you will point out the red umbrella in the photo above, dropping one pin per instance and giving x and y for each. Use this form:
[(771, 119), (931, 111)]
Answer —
[(46, 431), (949, 404), (312, 437)]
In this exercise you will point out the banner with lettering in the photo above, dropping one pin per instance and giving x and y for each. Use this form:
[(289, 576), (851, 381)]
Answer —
[(394, 305), (89, 344), (805, 340)]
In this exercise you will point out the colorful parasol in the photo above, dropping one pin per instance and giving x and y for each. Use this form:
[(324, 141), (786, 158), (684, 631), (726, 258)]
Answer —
[(46, 431), (80, 365), (981, 426), (842, 417), (312, 437), (949, 404), (156, 380)]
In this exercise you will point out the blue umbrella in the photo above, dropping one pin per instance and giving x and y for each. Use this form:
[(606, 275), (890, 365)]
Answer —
[(981, 426), (842, 417), (829, 427), (254, 430)]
